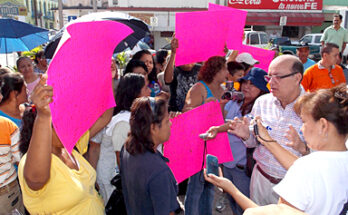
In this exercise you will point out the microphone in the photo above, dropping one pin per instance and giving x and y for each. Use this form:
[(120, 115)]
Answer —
[(204, 136)]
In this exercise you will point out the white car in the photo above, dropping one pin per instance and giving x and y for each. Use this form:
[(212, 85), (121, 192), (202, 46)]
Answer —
[(256, 38)]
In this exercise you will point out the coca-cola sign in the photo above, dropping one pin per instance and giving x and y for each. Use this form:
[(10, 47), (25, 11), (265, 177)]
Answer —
[(277, 4)]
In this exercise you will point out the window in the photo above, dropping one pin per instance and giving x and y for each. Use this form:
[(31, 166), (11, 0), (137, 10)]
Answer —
[(317, 39), (254, 39), (307, 39), (290, 31), (264, 38)]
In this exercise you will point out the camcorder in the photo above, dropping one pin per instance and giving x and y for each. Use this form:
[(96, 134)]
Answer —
[(231, 93)]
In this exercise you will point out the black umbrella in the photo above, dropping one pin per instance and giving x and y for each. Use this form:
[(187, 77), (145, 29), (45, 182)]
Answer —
[(140, 29)]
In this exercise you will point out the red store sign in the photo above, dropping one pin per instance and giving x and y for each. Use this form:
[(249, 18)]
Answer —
[(277, 4)]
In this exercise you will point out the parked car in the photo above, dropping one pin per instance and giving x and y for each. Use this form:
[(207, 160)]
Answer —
[(314, 39), (256, 38), (311, 39), (285, 46)]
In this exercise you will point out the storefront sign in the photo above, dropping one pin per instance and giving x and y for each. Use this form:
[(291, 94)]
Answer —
[(11, 9), (277, 4)]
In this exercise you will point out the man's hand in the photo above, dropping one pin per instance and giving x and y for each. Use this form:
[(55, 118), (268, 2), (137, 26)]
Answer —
[(295, 141), (240, 127)]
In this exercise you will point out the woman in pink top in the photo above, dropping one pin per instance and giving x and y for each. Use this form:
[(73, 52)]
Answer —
[(26, 67)]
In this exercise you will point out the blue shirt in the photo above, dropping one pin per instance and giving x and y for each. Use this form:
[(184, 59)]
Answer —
[(237, 146), (18, 122), (308, 64), (209, 93), (148, 185)]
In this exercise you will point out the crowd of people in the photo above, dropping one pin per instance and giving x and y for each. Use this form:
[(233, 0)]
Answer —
[(287, 130)]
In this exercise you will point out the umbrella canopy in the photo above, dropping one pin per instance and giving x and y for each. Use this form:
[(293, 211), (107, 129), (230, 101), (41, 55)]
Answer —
[(20, 36), (140, 29)]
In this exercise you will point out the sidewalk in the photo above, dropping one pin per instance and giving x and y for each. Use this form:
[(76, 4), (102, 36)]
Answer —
[(226, 211)]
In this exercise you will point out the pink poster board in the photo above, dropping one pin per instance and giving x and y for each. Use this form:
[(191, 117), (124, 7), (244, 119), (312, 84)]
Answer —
[(80, 75), (200, 35), (264, 56), (185, 149), (235, 20)]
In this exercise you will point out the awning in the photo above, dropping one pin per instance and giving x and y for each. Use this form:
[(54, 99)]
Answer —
[(293, 19)]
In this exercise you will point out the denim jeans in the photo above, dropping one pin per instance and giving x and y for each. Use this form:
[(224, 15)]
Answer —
[(238, 177), (199, 196)]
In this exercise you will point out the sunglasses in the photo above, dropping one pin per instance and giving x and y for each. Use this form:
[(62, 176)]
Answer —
[(278, 77)]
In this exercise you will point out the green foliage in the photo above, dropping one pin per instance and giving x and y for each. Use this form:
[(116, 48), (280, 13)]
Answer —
[(122, 60), (31, 53)]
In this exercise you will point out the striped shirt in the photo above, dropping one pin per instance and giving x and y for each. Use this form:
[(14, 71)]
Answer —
[(9, 153), (278, 119)]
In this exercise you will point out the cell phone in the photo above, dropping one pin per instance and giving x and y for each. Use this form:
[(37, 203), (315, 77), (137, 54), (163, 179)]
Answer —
[(212, 165), (256, 129)]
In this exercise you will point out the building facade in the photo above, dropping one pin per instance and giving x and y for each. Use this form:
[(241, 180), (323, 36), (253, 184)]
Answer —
[(40, 13)]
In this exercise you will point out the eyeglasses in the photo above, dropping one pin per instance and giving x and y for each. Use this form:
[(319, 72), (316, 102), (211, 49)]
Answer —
[(278, 77)]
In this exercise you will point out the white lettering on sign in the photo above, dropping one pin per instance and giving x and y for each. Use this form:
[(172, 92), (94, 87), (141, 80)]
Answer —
[(305, 6), (253, 2), (236, 1), (245, 2), (292, 1)]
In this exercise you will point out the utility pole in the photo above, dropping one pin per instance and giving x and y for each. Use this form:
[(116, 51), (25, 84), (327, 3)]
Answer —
[(35, 12), (94, 5), (60, 13)]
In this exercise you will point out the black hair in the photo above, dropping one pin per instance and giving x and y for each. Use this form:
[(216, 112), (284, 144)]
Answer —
[(10, 82), (152, 75), (145, 111), (246, 66), (128, 90), (132, 64), (38, 55), (161, 56), (234, 66), (20, 59), (339, 16), (28, 119), (328, 48), (298, 67)]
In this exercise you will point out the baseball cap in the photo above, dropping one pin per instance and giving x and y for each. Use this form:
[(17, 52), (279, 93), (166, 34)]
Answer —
[(302, 45), (256, 76), (246, 58)]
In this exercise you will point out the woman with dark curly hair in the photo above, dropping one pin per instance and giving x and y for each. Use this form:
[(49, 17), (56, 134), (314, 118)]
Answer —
[(212, 74), (200, 194), (148, 184), (14, 93)]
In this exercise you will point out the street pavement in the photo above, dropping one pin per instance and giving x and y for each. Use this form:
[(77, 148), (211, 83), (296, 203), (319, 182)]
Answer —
[(218, 194)]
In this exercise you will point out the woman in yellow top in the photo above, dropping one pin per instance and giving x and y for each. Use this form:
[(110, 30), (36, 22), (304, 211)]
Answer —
[(52, 180)]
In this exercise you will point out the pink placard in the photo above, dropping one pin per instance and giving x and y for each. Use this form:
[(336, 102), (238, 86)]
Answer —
[(185, 150), (201, 35), (264, 56), (80, 75), (235, 20)]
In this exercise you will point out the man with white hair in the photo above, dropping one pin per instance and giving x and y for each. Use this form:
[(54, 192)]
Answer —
[(277, 114)]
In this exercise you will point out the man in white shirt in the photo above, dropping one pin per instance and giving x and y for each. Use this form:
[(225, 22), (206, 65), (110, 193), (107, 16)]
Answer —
[(276, 112)]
